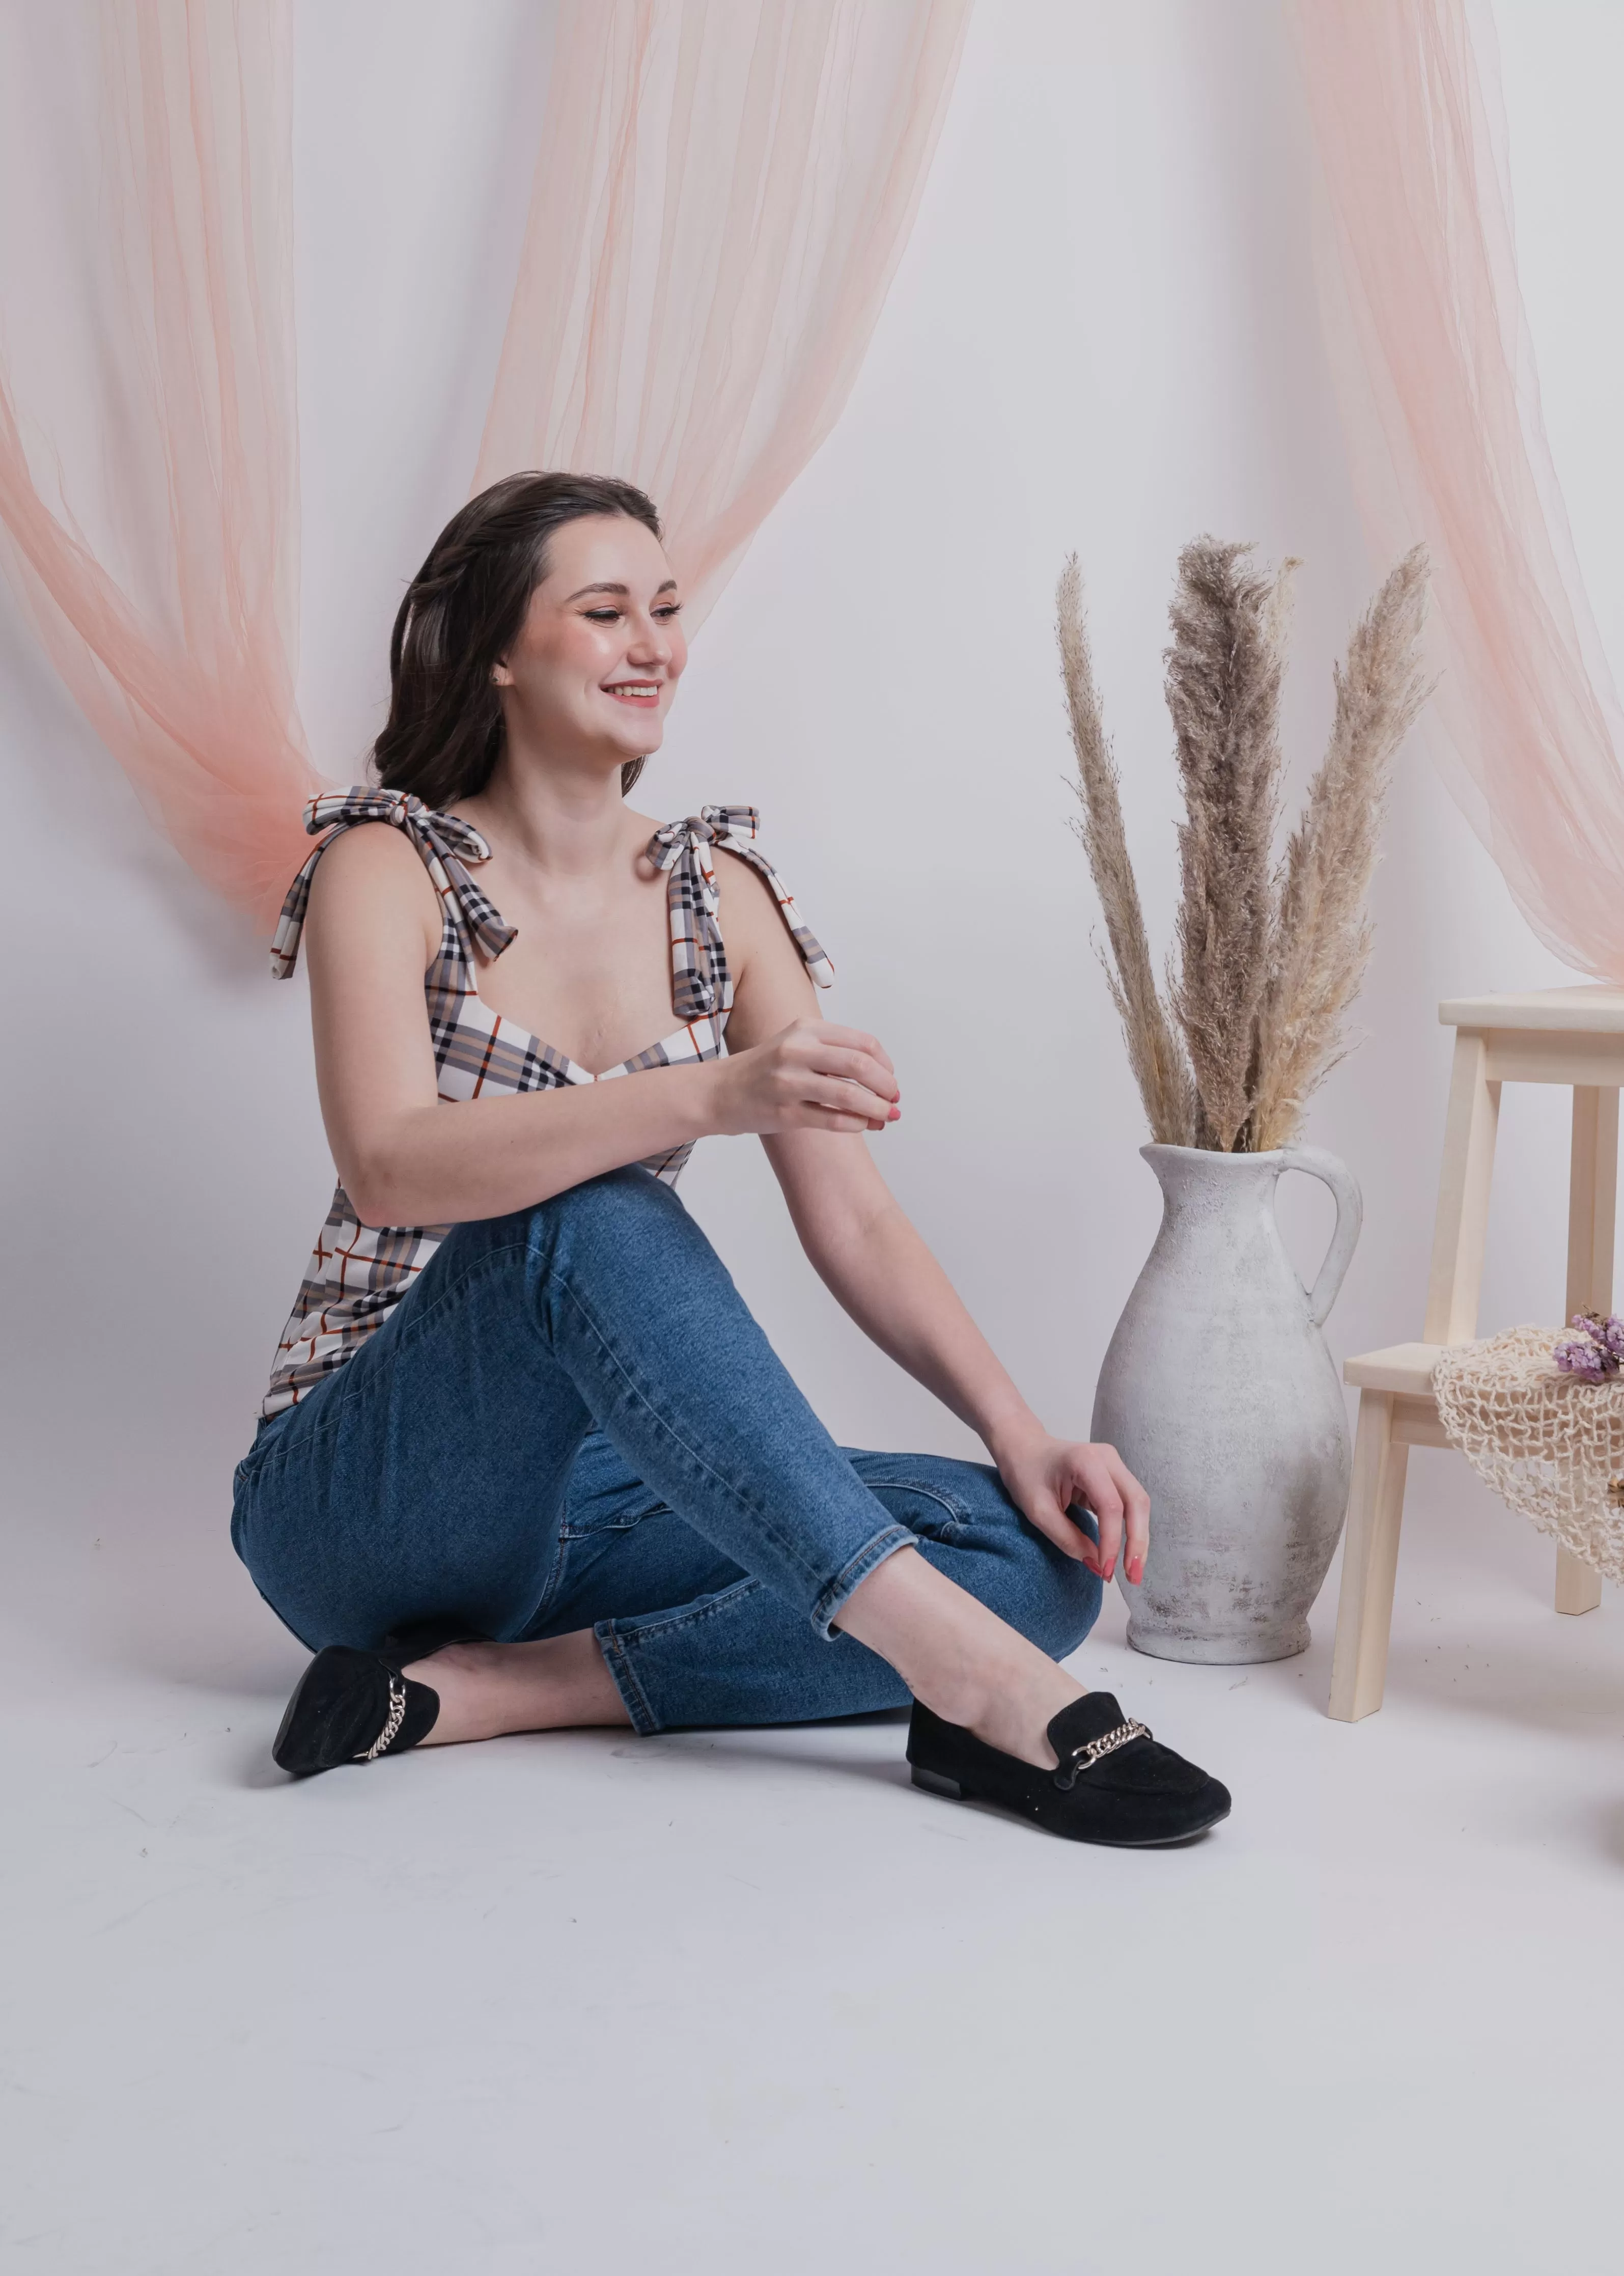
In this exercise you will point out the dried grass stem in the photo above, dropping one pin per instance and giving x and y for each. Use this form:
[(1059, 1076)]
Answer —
[(1158, 1059), (1268, 957)]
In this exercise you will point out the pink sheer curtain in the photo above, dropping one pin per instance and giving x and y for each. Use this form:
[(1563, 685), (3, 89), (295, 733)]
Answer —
[(150, 508), (1429, 339), (724, 190)]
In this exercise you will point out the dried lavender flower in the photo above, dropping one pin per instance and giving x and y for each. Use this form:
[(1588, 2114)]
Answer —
[(1592, 1356)]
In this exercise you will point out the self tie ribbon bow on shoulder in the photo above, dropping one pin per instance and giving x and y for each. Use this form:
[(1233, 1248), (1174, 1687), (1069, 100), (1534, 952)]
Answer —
[(446, 842), (702, 984)]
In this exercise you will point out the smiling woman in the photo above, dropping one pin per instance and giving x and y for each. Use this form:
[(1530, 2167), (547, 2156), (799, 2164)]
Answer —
[(468, 603), (525, 1460)]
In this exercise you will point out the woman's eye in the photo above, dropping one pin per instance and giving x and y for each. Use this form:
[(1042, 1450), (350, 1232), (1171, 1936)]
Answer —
[(602, 616), (671, 608)]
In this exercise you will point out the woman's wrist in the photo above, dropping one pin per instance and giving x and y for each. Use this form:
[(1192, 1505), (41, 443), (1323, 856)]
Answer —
[(1012, 1432), (693, 1090), (712, 1087)]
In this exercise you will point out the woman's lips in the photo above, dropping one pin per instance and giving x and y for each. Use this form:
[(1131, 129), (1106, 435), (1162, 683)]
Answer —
[(641, 694)]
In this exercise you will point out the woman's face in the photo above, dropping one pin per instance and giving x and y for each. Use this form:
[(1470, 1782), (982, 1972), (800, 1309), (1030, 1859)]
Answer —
[(598, 657)]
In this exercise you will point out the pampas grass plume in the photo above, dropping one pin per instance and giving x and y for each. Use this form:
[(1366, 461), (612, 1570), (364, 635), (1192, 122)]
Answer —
[(1321, 940), (1268, 957), (1224, 674), (1160, 1068)]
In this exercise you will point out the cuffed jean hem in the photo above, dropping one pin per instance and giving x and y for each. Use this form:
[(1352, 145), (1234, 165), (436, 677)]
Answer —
[(616, 1640), (634, 1698), (857, 1569)]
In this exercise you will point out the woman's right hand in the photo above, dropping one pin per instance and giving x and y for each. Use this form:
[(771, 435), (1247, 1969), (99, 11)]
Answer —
[(809, 1076)]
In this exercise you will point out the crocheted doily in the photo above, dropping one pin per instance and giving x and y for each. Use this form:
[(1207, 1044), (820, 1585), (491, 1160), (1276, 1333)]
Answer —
[(1550, 1446)]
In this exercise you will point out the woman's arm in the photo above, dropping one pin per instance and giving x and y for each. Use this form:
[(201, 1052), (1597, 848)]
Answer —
[(879, 1269), (407, 1157)]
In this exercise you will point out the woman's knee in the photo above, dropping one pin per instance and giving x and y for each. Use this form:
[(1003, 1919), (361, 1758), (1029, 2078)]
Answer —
[(618, 1221), (1063, 1605), (615, 1198), (1064, 1594), (972, 1531), (963, 1512)]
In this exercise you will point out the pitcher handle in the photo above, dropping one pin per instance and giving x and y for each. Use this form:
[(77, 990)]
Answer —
[(1350, 1216)]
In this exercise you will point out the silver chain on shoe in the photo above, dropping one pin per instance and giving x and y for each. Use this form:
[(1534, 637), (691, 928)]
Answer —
[(396, 1715), (1083, 1758)]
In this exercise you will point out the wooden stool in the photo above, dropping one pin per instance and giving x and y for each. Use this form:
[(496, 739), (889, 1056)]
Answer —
[(1573, 1035)]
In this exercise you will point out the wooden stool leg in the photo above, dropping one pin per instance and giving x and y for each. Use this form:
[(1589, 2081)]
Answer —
[(1460, 1232), (1592, 1202), (1578, 1585), (1369, 1562)]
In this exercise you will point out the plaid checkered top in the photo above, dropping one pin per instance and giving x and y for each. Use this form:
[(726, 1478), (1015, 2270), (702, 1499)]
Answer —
[(357, 1273)]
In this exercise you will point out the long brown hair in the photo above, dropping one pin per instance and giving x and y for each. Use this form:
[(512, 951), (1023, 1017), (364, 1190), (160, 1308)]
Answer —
[(461, 613)]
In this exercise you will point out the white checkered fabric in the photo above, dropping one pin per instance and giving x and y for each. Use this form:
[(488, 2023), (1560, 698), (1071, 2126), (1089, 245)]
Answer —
[(357, 1273)]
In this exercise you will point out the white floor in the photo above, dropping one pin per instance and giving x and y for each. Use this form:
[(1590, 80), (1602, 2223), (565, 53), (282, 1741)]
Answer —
[(749, 2002)]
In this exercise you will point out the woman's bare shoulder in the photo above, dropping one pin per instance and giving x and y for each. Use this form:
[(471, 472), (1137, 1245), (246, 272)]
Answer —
[(772, 982), (370, 872), (743, 888)]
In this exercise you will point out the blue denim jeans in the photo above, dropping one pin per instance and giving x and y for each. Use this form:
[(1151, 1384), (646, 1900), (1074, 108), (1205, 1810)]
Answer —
[(572, 1421)]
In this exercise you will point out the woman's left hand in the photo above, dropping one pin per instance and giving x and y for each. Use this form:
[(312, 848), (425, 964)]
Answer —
[(1045, 1476)]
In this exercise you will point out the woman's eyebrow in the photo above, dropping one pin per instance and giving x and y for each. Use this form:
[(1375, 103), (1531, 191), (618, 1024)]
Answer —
[(668, 586)]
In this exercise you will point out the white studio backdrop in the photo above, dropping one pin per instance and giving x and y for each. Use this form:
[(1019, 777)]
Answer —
[(1104, 336)]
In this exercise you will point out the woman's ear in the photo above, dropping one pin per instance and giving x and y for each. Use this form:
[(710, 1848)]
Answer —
[(500, 676)]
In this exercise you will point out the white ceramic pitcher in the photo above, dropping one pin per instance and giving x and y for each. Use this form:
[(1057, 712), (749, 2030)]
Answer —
[(1220, 1396)]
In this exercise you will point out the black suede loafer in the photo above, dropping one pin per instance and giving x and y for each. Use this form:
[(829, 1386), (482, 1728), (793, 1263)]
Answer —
[(1113, 1783), (352, 1706)]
